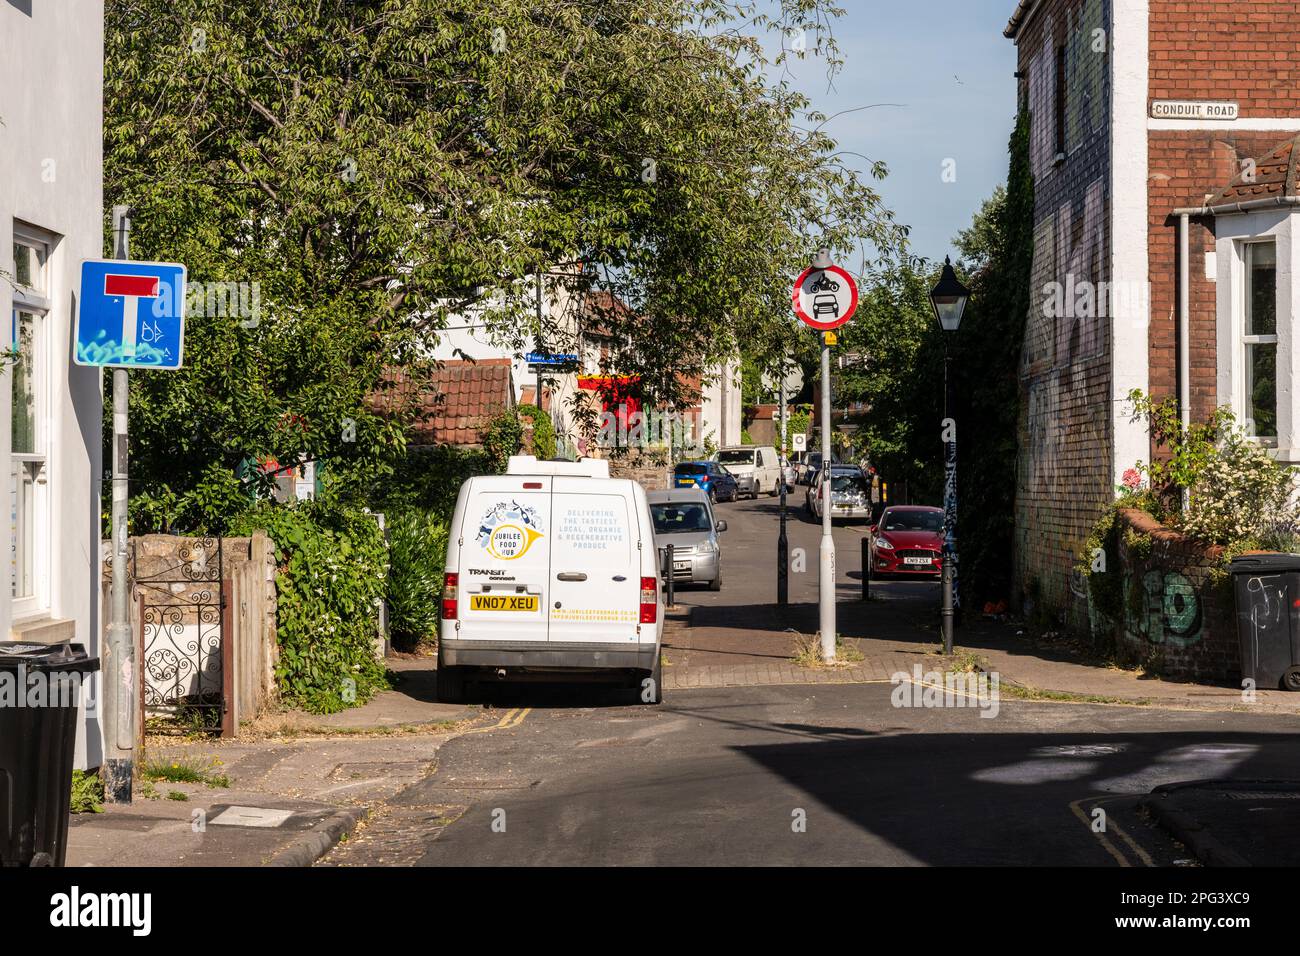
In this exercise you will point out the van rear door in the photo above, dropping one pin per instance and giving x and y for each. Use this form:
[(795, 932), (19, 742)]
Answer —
[(505, 559), (595, 563)]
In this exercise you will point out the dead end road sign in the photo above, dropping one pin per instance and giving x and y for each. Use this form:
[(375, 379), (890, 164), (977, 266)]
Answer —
[(130, 314)]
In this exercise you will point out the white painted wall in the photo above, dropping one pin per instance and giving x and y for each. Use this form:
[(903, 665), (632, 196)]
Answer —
[(720, 405), (1128, 209), (51, 136), (469, 336)]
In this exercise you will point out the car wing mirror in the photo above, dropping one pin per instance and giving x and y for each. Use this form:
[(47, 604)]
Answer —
[(721, 526)]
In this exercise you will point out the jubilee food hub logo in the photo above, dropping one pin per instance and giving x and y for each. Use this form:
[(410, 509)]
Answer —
[(508, 530)]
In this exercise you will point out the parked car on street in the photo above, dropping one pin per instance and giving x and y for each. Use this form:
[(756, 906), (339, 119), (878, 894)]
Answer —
[(709, 476), (907, 540), (683, 517), (550, 572), (850, 493), (757, 468), (791, 475), (809, 465)]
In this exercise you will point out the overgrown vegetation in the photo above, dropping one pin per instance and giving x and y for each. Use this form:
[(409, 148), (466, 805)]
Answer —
[(87, 793), (543, 430), (417, 548), (900, 377), (333, 565)]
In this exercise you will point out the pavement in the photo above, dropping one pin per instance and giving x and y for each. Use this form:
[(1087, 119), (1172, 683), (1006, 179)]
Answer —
[(284, 793), (1232, 822)]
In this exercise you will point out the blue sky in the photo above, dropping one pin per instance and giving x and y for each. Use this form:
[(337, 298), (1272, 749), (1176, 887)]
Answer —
[(947, 62)]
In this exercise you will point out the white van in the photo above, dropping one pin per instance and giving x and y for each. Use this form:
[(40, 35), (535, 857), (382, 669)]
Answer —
[(551, 572), (757, 468)]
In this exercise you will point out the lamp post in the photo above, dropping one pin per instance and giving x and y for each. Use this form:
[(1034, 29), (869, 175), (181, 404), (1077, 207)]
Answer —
[(782, 541), (948, 299)]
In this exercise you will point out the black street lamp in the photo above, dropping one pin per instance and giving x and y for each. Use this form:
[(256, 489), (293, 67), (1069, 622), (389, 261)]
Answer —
[(948, 299)]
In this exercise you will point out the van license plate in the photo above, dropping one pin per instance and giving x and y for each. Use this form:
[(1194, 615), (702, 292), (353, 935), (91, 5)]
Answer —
[(503, 602)]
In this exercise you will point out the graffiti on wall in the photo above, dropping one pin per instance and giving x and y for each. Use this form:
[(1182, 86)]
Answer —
[(1166, 609)]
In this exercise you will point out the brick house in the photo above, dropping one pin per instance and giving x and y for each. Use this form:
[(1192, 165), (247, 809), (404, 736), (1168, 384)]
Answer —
[(1165, 171)]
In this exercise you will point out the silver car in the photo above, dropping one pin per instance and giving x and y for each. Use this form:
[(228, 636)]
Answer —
[(683, 517)]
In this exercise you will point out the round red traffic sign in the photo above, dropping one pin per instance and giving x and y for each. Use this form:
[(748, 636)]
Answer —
[(825, 298)]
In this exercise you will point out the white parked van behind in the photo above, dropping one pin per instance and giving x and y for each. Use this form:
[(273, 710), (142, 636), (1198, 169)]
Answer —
[(551, 573), (757, 468)]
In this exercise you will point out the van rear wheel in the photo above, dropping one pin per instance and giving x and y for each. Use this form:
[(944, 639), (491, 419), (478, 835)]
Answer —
[(451, 685)]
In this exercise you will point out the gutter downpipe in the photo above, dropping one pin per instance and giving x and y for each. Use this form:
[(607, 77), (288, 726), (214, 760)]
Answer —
[(1184, 325)]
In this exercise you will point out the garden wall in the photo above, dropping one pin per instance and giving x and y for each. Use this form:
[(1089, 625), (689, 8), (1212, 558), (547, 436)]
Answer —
[(1177, 604), (185, 638)]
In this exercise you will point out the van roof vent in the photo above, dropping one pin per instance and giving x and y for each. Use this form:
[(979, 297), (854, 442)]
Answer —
[(582, 468)]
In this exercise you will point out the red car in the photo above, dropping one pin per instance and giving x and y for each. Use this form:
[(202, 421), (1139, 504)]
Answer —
[(907, 540)]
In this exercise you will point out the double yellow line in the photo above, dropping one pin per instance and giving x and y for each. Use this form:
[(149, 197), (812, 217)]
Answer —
[(512, 718), (1111, 825)]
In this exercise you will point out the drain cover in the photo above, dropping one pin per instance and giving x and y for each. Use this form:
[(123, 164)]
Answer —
[(250, 817)]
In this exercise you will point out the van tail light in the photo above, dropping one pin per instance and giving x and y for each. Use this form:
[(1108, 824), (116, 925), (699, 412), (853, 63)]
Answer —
[(450, 595), (649, 600)]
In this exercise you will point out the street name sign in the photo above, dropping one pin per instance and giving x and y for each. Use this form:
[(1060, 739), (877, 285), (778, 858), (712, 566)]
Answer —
[(825, 299), (130, 314), (551, 358), (1222, 110)]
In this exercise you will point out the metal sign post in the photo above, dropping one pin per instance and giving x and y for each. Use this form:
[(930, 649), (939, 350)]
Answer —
[(129, 315), (119, 672), (825, 298)]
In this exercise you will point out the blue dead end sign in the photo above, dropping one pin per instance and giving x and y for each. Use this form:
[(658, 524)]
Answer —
[(130, 314)]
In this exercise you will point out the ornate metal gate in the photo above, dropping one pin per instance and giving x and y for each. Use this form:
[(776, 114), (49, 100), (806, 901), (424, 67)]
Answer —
[(182, 651)]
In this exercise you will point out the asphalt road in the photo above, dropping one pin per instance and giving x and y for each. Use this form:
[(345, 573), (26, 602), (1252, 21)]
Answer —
[(827, 774)]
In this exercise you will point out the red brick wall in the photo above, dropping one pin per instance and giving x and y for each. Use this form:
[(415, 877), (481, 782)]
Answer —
[(1243, 50)]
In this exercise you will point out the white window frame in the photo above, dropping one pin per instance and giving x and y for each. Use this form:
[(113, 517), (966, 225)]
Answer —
[(37, 302), (1246, 341)]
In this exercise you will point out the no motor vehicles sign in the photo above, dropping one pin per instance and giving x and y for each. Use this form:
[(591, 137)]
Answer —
[(826, 298)]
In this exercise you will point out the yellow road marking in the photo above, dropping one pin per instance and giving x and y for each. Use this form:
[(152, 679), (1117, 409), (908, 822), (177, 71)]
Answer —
[(1112, 824), (512, 718), (1120, 858)]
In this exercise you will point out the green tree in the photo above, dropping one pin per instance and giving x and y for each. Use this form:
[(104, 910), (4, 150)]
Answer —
[(376, 166), (998, 251)]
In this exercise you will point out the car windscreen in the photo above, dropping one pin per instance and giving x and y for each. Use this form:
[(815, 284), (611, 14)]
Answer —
[(678, 518), (912, 521), (691, 468), (848, 484), (736, 457)]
